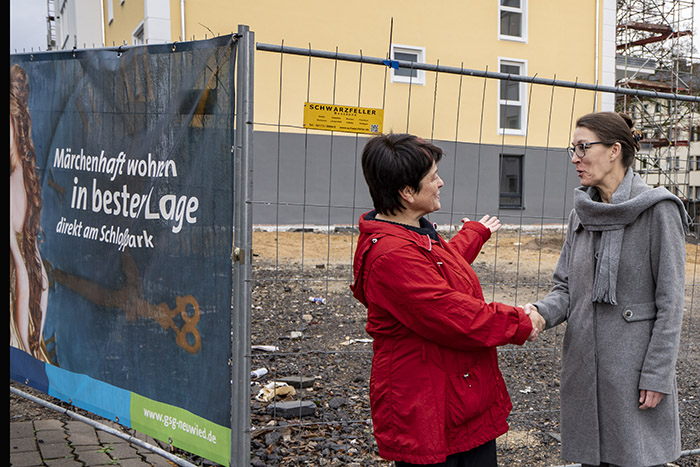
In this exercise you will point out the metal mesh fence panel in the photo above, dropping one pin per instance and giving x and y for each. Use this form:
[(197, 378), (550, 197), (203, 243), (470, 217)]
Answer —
[(307, 331)]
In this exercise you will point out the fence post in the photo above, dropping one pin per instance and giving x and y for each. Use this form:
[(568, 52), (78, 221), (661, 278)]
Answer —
[(242, 255)]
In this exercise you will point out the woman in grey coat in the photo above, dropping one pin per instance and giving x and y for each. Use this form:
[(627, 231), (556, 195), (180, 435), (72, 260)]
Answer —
[(619, 286)]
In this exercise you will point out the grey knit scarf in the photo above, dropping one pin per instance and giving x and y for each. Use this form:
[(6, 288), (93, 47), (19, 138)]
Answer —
[(611, 219)]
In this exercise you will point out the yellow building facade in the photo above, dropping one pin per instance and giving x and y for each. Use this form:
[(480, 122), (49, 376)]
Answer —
[(566, 40)]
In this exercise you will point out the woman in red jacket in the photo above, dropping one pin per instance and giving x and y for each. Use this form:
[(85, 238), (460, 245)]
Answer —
[(436, 391)]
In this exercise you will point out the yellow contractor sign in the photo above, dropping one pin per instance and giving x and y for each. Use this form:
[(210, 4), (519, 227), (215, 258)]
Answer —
[(333, 117)]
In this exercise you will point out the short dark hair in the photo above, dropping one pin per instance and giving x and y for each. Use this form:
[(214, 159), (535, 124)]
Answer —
[(611, 128), (395, 161)]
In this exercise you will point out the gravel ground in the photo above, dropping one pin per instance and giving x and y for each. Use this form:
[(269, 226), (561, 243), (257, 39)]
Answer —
[(324, 346), (327, 345)]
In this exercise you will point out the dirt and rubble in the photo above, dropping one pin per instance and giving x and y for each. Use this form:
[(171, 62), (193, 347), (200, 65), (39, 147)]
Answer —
[(319, 348)]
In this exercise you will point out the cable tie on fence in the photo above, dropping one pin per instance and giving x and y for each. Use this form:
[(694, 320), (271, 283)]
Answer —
[(391, 63)]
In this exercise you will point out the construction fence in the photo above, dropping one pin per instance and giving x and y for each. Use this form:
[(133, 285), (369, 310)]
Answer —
[(302, 192), (285, 172)]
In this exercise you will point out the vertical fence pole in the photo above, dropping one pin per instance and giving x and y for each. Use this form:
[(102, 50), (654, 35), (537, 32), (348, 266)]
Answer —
[(242, 250)]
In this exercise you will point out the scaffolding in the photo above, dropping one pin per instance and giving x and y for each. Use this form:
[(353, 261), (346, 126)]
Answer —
[(50, 25), (655, 51)]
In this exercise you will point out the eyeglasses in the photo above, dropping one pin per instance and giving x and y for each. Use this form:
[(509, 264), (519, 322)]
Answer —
[(580, 149)]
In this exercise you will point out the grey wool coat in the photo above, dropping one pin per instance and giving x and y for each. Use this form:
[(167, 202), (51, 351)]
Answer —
[(612, 351)]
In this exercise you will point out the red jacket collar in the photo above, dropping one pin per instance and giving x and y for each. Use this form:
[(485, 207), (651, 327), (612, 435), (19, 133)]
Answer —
[(370, 226)]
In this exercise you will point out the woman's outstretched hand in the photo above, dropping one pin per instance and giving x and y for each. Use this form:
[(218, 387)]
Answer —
[(491, 223)]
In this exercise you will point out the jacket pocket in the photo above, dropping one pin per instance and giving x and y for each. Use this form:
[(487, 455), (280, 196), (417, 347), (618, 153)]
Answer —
[(638, 312), (468, 395)]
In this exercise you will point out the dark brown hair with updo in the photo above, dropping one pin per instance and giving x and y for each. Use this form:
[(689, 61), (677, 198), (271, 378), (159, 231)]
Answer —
[(611, 128)]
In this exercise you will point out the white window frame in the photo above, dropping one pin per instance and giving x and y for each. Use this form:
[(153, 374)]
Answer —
[(523, 18), (140, 30), (420, 74), (521, 102)]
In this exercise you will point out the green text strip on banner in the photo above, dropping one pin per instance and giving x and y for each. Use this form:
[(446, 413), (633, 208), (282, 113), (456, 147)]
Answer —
[(181, 428)]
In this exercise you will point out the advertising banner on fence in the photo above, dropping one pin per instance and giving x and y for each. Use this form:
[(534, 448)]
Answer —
[(121, 235)]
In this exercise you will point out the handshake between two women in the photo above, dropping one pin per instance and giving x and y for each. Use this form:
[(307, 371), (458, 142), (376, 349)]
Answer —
[(538, 322)]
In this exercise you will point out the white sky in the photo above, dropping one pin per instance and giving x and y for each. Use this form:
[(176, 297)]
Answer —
[(27, 25)]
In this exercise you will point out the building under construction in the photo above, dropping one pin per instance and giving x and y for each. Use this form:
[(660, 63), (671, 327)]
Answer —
[(656, 52)]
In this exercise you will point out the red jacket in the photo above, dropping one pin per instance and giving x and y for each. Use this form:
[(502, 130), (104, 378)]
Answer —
[(435, 387)]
